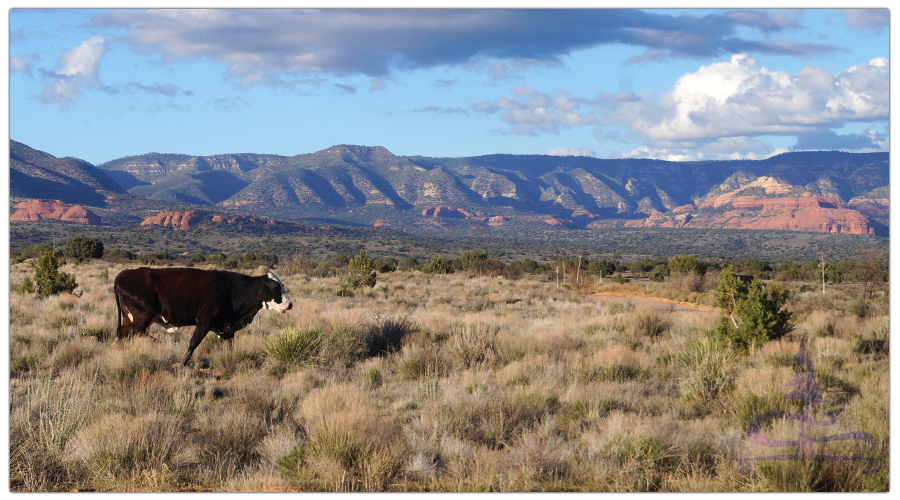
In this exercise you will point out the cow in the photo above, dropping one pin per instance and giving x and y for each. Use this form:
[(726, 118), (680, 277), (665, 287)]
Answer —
[(222, 302)]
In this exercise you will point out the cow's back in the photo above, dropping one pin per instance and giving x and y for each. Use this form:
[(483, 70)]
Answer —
[(175, 293)]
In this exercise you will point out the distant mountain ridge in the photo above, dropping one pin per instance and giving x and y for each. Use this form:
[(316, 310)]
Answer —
[(36, 174), (370, 185)]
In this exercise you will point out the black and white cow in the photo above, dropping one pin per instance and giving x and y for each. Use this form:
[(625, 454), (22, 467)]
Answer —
[(212, 301)]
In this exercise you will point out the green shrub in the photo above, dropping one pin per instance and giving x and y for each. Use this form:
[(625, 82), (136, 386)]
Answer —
[(47, 278), (858, 307), (26, 287), (687, 264), (437, 265), (119, 253), (658, 273), (752, 314), (362, 271), (293, 346), (621, 279), (373, 377), (82, 248), (344, 345)]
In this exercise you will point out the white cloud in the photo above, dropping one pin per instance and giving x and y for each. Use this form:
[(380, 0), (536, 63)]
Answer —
[(532, 112), (740, 98), (571, 152), (77, 68), (22, 63)]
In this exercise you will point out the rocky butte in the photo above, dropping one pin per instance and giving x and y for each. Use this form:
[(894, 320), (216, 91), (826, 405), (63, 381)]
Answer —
[(53, 209)]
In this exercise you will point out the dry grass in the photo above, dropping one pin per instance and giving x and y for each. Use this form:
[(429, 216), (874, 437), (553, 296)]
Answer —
[(435, 383)]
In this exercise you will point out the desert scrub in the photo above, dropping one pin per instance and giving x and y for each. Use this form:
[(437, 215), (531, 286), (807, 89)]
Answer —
[(652, 324), (417, 361), (474, 343), (120, 447)]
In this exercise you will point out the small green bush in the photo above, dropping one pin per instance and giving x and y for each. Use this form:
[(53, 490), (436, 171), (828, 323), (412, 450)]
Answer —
[(437, 265), (621, 279), (293, 346), (362, 271), (47, 278), (82, 248), (26, 287), (858, 307), (658, 273)]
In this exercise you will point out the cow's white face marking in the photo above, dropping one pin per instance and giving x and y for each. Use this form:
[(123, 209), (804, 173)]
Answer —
[(285, 300)]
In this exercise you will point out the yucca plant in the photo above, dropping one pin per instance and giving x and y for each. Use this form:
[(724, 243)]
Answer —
[(293, 346)]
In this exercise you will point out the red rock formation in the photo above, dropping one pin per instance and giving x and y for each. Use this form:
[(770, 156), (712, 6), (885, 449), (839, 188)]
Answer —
[(783, 204), (175, 220), (557, 221), (53, 209), (450, 212), (811, 218), (683, 209), (497, 220)]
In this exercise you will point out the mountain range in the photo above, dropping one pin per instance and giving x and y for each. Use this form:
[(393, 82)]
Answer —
[(822, 191)]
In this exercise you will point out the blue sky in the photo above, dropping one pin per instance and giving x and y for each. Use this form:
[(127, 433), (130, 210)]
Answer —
[(672, 84)]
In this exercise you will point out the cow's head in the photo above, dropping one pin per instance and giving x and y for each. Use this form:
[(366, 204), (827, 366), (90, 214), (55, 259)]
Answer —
[(280, 301)]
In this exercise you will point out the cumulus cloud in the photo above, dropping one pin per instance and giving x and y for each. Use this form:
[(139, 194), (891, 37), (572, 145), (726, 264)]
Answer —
[(262, 46), (78, 67), (571, 152), (740, 98)]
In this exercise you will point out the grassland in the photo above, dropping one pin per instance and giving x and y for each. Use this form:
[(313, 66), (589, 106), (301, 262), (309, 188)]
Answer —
[(438, 383)]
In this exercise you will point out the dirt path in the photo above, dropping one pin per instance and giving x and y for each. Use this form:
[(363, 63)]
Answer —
[(647, 301)]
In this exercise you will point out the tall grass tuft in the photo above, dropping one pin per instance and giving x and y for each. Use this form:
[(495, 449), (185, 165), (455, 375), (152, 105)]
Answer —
[(707, 371), (474, 343)]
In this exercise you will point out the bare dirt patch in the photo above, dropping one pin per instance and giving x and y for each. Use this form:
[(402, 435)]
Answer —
[(647, 301)]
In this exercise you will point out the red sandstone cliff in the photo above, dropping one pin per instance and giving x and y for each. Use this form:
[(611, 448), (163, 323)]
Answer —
[(175, 220), (805, 213), (53, 209)]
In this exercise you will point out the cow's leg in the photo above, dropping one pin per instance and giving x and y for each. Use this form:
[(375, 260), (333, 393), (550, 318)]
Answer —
[(127, 320), (200, 332), (141, 322)]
